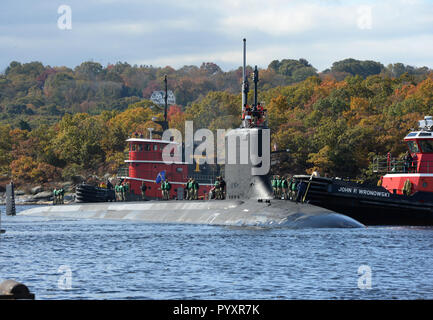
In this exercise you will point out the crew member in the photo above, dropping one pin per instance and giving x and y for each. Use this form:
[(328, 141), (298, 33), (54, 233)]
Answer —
[(212, 193), (246, 116), (217, 188), (274, 186), (119, 192), (61, 195), (143, 191), (260, 112), (223, 188), (189, 188), (163, 190), (301, 190), (284, 186), (195, 187), (55, 199), (294, 189), (116, 192), (125, 190), (260, 108), (278, 187), (414, 163), (167, 189)]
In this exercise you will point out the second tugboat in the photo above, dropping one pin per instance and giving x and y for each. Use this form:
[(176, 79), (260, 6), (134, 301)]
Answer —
[(404, 195)]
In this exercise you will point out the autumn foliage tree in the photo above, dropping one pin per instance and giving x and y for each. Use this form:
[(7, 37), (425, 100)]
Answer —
[(58, 122)]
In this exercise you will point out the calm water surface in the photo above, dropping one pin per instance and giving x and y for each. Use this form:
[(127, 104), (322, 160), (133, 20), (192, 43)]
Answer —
[(134, 260)]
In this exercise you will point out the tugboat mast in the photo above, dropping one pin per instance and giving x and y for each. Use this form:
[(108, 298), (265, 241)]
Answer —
[(165, 100), (164, 123)]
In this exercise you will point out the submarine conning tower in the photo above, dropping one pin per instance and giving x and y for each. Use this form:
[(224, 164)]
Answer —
[(248, 163), (248, 149)]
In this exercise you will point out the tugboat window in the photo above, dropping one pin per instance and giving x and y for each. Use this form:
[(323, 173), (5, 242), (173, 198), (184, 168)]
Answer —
[(134, 147), (413, 147), (146, 147), (140, 147), (155, 147), (426, 145)]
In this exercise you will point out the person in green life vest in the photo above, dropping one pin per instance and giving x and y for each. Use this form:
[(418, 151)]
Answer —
[(284, 186), (119, 191), (274, 186), (55, 196), (122, 192), (61, 196), (167, 188), (217, 188), (278, 187), (189, 189), (294, 189), (195, 187), (163, 189)]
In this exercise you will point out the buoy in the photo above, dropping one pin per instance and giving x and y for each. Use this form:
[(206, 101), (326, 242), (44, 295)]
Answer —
[(13, 290)]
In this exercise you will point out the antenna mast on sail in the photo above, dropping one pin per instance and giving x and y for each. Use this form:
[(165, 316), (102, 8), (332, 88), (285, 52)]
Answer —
[(245, 86)]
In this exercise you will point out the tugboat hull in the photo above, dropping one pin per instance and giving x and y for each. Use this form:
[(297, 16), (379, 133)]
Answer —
[(370, 205)]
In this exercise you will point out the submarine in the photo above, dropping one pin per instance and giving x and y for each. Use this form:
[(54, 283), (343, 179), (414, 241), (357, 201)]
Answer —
[(249, 200)]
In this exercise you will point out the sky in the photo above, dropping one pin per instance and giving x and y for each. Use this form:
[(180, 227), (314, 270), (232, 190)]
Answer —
[(190, 32)]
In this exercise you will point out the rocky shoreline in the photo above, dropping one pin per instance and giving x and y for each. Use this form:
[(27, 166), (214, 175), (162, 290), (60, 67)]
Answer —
[(39, 195)]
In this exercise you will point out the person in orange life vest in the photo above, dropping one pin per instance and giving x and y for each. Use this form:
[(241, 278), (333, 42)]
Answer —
[(246, 115), (261, 113)]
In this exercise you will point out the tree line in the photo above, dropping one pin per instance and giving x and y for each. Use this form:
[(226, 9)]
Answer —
[(57, 123)]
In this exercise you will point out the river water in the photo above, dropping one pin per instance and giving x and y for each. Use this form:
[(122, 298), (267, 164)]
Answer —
[(103, 259)]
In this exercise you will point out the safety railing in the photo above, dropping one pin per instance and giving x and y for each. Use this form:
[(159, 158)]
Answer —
[(200, 178), (383, 165), (123, 171), (203, 178)]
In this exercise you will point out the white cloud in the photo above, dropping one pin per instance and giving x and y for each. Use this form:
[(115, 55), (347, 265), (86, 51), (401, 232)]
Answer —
[(179, 60), (269, 21), (173, 32)]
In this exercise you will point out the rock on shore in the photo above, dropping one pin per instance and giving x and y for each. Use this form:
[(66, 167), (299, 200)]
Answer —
[(41, 197)]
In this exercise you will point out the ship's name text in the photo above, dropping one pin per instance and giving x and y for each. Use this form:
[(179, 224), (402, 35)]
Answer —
[(364, 192)]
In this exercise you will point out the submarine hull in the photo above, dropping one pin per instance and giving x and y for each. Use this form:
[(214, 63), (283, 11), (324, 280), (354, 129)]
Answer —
[(249, 213), (249, 200)]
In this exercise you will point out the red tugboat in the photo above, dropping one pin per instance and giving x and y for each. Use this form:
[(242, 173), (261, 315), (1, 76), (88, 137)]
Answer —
[(145, 165), (415, 173), (403, 196)]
